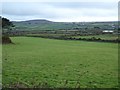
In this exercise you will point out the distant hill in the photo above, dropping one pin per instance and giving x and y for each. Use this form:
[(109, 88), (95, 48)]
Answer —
[(32, 22), (42, 24)]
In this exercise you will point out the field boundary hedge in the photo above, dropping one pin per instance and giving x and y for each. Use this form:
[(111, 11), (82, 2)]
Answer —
[(81, 39)]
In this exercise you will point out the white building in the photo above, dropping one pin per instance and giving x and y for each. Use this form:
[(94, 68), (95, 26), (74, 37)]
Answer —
[(108, 31)]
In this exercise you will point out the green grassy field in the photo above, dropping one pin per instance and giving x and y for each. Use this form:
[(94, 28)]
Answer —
[(39, 62), (104, 36)]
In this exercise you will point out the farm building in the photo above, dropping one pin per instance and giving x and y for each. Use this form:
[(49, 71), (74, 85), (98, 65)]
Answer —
[(108, 31)]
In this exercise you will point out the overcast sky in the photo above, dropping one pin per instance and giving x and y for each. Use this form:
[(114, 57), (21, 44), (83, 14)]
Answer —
[(61, 11)]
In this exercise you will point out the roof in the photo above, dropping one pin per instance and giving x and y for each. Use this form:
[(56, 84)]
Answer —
[(108, 31)]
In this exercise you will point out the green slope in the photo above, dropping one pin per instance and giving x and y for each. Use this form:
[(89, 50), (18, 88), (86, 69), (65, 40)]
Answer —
[(38, 62), (49, 25)]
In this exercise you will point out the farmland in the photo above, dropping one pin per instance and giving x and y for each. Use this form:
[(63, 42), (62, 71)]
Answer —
[(43, 24), (104, 37), (40, 62)]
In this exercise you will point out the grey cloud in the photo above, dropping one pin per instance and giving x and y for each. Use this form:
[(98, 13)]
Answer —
[(58, 10), (102, 5)]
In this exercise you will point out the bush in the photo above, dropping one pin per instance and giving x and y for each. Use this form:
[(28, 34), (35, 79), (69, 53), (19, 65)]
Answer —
[(79, 38), (93, 38), (99, 39)]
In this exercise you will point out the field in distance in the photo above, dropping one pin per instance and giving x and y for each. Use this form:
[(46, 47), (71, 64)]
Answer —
[(40, 62), (102, 36)]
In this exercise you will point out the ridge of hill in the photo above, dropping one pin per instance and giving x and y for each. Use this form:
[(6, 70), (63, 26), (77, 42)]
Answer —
[(43, 24)]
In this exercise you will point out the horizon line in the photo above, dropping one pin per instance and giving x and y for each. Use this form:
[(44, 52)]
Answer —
[(61, 21)]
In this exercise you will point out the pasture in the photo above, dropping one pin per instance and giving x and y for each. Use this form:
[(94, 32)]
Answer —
[(40, 62), (104, 36)]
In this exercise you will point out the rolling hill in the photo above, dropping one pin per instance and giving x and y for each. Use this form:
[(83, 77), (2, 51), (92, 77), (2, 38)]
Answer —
[(42, 24)]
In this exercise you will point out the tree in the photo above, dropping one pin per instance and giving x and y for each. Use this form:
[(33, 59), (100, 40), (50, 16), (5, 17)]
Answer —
[(6, 28)]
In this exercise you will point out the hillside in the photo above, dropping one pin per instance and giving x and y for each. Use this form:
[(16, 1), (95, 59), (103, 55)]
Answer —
[(42, 24)]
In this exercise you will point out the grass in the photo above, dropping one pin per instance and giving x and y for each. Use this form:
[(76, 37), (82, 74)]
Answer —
[(39, 62), (54, 35), (104, 36)]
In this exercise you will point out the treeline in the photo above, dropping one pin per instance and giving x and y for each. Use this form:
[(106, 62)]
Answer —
[(73, 38)]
